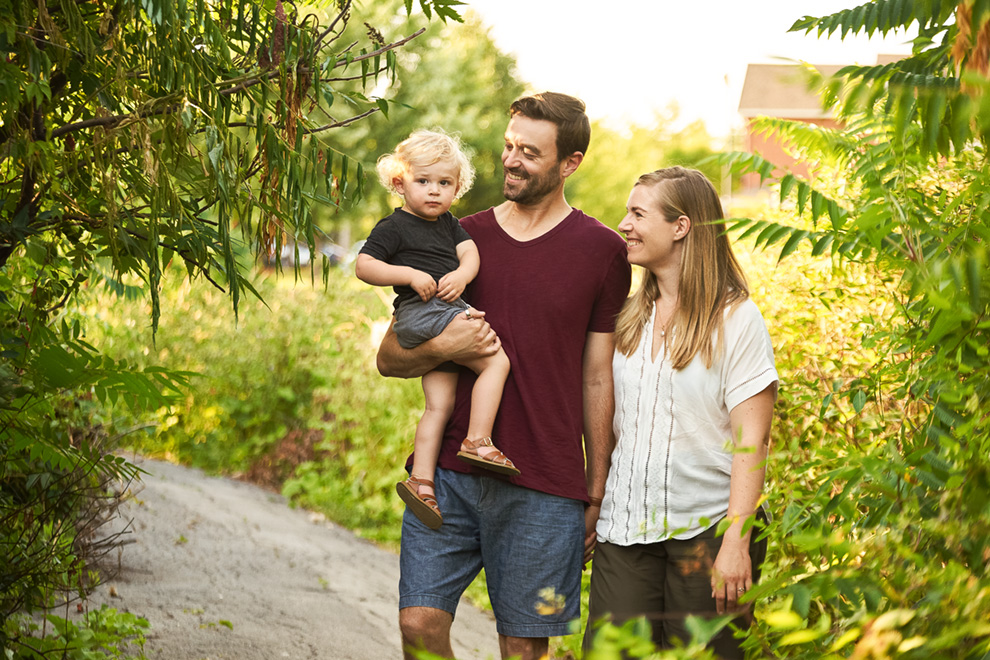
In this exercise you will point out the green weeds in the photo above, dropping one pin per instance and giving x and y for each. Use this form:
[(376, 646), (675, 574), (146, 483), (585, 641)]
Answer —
[(99, 635)]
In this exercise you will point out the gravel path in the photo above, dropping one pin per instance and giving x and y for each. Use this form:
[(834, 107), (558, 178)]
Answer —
[(223, 569)]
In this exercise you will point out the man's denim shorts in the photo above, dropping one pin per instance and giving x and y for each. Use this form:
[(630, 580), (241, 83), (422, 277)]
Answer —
[(530, 544)]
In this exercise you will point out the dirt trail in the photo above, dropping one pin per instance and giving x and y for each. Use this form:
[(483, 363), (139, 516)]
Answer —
[(223, 569)]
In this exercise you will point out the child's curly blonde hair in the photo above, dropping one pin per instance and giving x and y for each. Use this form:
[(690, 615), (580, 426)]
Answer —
[(425, 147)]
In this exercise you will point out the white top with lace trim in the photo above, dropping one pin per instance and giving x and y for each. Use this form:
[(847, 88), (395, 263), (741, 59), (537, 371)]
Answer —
[(673, 455)]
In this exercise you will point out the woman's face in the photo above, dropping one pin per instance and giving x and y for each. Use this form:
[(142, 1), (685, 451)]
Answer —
[(651, 241)]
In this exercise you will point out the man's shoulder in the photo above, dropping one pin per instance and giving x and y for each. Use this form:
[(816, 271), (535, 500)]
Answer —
[(475, 219), (597, 231)]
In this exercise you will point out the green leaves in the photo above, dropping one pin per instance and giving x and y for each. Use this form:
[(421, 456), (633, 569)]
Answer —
[(879, 16), (444, 9), (879, 526), (99, 635), (180, 118)]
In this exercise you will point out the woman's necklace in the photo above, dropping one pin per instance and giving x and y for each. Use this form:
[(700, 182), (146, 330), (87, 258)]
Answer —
[(664, 325)]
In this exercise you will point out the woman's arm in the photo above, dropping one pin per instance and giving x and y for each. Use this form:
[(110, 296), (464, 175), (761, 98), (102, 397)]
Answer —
[(733, 575)]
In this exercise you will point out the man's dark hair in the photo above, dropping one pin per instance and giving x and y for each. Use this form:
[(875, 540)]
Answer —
[(565, 112)]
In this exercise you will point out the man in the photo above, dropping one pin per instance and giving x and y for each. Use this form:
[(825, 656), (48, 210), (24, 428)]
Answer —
[(552, 280)]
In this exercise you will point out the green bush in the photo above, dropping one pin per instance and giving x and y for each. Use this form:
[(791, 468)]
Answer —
[(58, 477), (885, 539), (287, 393), (318, 404), (100, 635)]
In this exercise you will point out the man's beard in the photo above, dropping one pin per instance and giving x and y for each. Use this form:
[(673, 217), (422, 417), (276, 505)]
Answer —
[(534, 188)]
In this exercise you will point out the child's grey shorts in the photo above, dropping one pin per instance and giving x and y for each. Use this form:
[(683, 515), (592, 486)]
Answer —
[(417, 321)]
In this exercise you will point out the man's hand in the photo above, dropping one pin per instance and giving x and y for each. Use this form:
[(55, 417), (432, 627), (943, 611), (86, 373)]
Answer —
[(469, 337), (452, 285), (423, 284), (590, 535), (464, 339)]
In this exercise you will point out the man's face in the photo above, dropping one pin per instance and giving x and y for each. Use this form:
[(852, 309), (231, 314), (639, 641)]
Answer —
[(529, 160)]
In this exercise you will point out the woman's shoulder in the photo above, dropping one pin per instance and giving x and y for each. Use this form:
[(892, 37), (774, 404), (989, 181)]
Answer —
[(744, 313)]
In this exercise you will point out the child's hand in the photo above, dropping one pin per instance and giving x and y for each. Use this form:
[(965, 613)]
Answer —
[(423, 284), (451, 286)]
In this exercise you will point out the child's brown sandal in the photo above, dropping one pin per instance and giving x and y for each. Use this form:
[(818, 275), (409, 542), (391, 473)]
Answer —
[(495, 461), (424, 507)]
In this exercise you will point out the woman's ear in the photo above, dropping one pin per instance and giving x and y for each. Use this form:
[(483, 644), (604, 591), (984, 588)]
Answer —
[(683, 227)]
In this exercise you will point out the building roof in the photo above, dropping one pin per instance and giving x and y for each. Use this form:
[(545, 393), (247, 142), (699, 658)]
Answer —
[(781, 90)]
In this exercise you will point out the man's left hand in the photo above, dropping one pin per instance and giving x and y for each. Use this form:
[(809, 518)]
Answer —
[(590, 535)]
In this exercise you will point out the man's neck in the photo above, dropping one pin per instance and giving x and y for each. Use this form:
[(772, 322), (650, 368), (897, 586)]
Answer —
[(524, 222)]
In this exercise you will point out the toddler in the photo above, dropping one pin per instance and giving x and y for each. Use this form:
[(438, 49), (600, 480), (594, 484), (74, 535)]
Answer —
[(423, 252)]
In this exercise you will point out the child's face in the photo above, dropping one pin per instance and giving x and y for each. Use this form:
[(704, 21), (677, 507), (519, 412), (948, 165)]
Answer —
[(429, 190)]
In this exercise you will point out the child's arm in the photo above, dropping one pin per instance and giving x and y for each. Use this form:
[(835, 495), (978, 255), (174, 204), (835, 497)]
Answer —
[(377, 272), (452, 284)]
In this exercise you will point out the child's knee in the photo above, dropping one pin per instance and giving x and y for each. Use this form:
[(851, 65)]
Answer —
[(440, 405), (501, 362)]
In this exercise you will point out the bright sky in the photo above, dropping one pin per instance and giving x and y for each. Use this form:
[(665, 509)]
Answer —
[(626, 58)]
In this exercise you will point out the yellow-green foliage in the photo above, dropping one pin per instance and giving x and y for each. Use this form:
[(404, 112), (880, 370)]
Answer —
[(298, 367), (304, 362)]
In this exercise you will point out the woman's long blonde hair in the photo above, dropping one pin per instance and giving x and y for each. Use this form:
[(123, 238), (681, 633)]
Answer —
[(710, 277)]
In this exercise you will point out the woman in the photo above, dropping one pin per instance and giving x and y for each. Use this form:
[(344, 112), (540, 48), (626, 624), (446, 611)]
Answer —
[(695, 385)]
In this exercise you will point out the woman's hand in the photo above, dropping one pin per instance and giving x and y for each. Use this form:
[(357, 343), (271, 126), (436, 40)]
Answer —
[(732, 574)]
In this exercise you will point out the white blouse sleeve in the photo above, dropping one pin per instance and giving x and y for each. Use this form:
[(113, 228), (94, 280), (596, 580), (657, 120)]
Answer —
[(748, 364)]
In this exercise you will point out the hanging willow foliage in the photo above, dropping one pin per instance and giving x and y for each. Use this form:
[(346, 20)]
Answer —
[(135, 134), (148, 129)]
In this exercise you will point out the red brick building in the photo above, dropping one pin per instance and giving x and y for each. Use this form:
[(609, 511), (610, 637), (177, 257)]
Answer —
[(781, 91)]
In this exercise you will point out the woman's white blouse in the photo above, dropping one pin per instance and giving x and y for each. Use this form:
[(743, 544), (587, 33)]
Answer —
[(673, 455)]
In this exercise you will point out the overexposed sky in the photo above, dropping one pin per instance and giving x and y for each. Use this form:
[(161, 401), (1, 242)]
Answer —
[(626, 58)]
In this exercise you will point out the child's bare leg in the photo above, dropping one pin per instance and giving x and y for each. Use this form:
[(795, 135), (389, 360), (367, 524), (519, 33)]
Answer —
[(486, 397), (439, 388)]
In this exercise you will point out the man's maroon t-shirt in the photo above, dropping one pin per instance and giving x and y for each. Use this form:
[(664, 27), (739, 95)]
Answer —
[(542, 297)]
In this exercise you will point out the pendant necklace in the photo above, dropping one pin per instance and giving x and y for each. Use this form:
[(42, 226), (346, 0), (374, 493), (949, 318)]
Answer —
[(664, 326)]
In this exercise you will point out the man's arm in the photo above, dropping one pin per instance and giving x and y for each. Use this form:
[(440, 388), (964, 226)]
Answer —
[(599, 406), (463, 339)]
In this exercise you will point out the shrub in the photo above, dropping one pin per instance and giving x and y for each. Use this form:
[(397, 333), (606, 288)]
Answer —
[(59, 483), (287, 393)]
